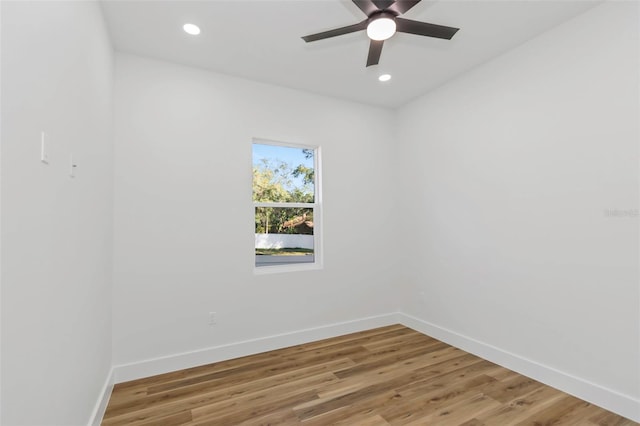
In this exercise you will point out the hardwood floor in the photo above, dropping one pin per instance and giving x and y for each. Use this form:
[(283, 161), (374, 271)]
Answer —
[(386, 376)]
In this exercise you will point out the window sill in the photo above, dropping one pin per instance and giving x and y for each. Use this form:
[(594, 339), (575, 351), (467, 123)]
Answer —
[(280, 269)]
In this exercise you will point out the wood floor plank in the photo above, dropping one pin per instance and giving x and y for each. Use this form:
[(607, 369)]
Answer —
[(522, 407), (410, 409), (387, 376), (219, 404), (208, 416), (284, 416), (473, 422), (607, 418), (442, 375), (459, 412), (248, 373), (386, 372), (512, 388), (556, 413), (157, 405), (362, 420), (364, 408), (391, 356), (174, 419)]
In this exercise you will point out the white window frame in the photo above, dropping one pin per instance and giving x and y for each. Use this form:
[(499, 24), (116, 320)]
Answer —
[(317, 213)]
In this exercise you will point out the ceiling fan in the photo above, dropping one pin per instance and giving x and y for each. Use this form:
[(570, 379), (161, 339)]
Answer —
[(383, 20)]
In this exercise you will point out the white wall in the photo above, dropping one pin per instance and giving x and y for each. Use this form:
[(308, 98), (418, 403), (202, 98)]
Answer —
[(184, 238), (516, 163), (56, 231)]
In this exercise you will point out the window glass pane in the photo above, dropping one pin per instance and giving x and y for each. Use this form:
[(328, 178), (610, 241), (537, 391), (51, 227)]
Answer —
[(283, 235), (283, 174)]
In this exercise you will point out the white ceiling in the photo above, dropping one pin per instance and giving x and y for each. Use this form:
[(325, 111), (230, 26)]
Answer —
[(260, 40)]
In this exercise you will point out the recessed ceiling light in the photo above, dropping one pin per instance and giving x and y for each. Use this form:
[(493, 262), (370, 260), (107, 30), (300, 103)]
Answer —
[(191, 29), (385, 77)]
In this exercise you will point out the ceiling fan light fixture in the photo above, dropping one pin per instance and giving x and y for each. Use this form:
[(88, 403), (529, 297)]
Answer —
[(383, 21), (381, 28), (191, 29)]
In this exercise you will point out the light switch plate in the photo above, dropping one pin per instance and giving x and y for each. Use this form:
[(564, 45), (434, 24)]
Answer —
[(44, 148)]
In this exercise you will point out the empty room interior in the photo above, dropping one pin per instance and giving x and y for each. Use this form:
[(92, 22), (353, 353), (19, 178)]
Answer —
[(263, 212)]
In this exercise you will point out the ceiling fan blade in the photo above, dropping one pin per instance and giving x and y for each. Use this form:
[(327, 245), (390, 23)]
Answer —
[(366, 6), (401, 6), (336, 32), (424, 29), (375, 50), (382, 4)]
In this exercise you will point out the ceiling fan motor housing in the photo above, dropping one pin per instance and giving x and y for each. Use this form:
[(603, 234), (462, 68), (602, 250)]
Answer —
[(383, 14)]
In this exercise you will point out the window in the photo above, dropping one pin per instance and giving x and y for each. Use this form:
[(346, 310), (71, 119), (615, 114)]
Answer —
[(286, 206)]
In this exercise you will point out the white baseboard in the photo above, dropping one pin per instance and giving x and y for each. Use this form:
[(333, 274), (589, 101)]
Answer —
[(611, 400), (152, 367), (103, 400)]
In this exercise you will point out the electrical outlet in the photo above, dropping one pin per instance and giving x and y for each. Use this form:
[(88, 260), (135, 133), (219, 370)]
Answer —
[(72, 166), (212, 318)]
